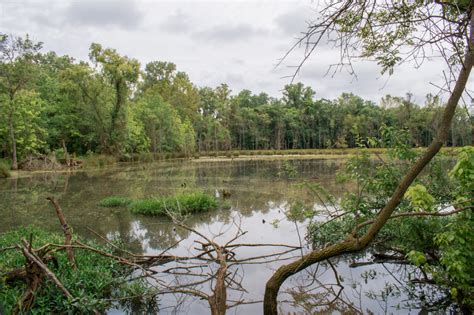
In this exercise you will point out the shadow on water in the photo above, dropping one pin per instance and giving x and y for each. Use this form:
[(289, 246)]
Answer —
[(260, 193)]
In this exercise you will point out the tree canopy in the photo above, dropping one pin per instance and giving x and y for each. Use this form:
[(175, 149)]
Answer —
[(110, 104)]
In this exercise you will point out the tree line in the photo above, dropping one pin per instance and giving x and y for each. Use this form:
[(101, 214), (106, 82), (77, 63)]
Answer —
[(111, 104)]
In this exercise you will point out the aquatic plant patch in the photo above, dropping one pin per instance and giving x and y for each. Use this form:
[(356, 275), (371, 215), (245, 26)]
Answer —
[(180, 204), (114, 201)]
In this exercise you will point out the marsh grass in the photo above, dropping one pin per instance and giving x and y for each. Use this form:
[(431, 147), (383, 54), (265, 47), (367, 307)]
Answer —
[(180, 204), (115, 201), (98, 160)]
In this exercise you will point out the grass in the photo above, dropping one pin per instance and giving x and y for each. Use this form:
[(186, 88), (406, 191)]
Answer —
[(96, 279), (115, 201), (98, 160), (180, 204)]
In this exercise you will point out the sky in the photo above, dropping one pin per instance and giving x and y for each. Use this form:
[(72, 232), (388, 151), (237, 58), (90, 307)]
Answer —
[(234, 42)]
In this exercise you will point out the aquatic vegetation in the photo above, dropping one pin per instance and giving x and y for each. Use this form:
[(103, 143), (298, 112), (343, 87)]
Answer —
[(114, 201), (180, 204), (96, 278)]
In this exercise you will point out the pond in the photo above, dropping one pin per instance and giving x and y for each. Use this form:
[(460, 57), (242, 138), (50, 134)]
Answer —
[(260, 194)]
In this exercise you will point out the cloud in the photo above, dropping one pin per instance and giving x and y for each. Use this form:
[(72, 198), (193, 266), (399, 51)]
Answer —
[(229, 33), (293, 22), (177, 23), (234, 79), (251, 36), (122, 14)]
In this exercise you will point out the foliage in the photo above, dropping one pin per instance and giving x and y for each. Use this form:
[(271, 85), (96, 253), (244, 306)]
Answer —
[(108, 106), (4, 169), (96, 279), (29, 130), (180, 204), (456, 243), (440, 245), (420, 198)]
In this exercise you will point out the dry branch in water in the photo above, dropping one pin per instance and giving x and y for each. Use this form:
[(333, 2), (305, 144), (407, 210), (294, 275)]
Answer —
[(189, 274), (208, 252)]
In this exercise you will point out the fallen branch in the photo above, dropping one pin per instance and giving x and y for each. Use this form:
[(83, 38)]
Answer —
[(66, 230), (30, 255)]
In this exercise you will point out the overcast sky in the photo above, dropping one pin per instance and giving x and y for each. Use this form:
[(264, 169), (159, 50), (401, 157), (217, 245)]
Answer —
[(233, 42)]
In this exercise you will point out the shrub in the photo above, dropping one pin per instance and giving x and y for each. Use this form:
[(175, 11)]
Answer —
[(4, 169), (181, 204), (114, 201)]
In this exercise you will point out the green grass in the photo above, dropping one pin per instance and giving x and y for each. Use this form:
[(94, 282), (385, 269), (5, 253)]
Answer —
[(96, 278), (114, 201), (181, 204)]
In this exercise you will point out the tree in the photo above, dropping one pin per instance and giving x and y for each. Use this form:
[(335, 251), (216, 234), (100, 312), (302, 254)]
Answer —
[(174, 87), (389, 33), (62, 117), (121, 73), (17, 69), (162, 125), (89, 100), (29, 130)]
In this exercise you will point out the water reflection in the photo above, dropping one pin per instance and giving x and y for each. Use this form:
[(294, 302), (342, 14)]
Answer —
[(259, 194)]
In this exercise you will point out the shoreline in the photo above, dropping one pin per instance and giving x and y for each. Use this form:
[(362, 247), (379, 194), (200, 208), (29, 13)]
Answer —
[(225, 156)]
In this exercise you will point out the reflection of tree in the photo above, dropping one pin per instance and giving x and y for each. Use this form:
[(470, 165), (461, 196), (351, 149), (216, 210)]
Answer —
[(254, 187), (212, 269), (363, 287)]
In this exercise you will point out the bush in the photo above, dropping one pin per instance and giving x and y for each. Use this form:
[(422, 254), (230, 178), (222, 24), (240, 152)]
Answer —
[(114, 201), (181, 204), (4, 169), (96, 279)]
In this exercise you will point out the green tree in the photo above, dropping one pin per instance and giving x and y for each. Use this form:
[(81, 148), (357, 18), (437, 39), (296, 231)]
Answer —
[(89, 99), (162, 125), (121, 73), (174, 87), (18, 58), (63, 119), (29, 131)]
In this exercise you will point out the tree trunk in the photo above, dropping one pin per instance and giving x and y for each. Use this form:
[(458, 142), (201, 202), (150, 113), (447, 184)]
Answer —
[(66, 155), (351, 244)]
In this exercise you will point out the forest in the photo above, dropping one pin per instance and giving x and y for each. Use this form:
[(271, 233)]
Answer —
[(112, 104)]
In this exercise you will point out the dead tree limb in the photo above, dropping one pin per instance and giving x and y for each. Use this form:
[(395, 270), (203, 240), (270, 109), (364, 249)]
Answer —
[(31, 256), (66, 230)]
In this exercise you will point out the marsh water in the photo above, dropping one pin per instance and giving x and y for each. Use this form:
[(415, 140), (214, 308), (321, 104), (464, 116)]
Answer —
[(260, 194)]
